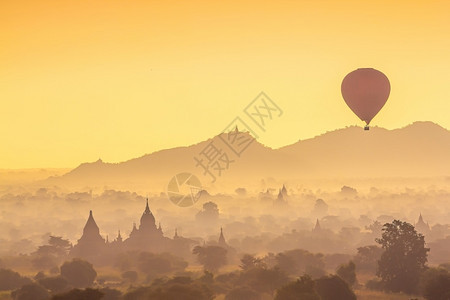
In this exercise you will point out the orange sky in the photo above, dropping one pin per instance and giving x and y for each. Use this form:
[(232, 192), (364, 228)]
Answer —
[(118, 79)]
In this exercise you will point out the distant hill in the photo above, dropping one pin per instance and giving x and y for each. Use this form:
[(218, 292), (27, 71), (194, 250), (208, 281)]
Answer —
[(421, 149)]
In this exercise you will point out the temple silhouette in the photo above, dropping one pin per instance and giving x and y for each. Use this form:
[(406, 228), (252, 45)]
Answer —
[(147, 237)]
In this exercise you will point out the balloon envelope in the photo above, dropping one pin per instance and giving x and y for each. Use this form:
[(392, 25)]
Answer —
[(365, 91)]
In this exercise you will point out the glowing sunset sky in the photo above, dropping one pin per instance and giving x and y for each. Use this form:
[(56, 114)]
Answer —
[(118, 79)]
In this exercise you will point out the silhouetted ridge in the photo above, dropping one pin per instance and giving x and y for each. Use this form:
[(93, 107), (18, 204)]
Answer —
[(348, 152)]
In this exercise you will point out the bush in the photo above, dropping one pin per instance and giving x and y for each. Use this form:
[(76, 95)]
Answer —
[(242, 293), (347, 272), (334, 287), (177, 288), (79, 273), (10, 280), (297, 261), (55, 284), (264, 280), (32, 291), (303, 288), (211, 257), (435, 284), (110, 294), (77, 294)]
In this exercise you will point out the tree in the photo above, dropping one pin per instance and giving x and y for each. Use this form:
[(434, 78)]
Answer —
[(367, 258), (209, 214), (297, 261), (249, 261), (77, 294), (435, 284), (263, 280), (334, 287), (158, 264), (314, 271), (32, 291), (302, 288), (61, 246), (182, 291), (10, 280), (211, 257), (375, 228), (242, 293), (177, 288), (320, 208), (78, 273), (111, 294), (404, 257), (50, 255), (347, 272), (55, 284)]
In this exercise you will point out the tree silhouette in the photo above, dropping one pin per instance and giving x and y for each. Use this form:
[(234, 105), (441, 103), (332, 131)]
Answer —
[(296, 261), (249, 261), (50, 255), (404, 257), (347, 272), (210, 213), (182, 291), (77, 294), (32, 291), (302, 288), (10, 280), (55, 284), (211, 257), (242, 293), (334, 287), (78, 273), (111, 294), (176, 288), (435, 284), (367, 258), (263, 280)]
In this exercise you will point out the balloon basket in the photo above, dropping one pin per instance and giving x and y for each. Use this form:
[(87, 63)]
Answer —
[(366, 127)]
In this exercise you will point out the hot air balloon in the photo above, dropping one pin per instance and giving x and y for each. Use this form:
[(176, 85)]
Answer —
[(365, 91)]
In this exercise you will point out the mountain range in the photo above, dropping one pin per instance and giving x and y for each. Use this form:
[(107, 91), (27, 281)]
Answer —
[(421, 149)]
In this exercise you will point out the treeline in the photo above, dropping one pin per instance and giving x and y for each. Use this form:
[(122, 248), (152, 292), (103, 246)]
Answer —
[(399, 262)]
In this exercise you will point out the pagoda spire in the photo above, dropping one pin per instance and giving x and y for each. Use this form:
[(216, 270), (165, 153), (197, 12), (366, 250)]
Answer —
[(147, 208), (119, 237), (91, 227), (317, 227), (420, 219), (222, 241)]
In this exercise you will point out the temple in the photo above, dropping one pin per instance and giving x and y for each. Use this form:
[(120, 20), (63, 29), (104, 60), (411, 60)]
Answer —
[(421, 226), (91, 242), (146, 237)]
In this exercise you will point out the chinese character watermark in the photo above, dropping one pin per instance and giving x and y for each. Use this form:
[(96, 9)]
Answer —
[(214, 159), (185, 189)]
